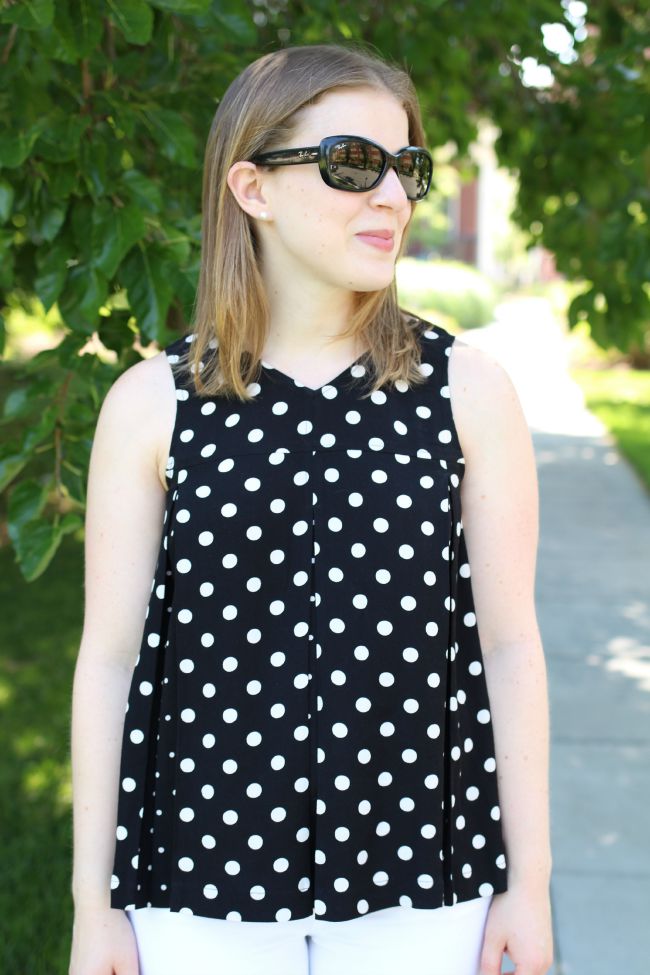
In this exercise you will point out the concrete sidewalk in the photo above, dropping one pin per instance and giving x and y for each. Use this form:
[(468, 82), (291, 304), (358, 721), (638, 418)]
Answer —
[(593, 605)]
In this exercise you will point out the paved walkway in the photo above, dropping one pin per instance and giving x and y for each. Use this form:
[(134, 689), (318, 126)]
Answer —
[(593, 605)]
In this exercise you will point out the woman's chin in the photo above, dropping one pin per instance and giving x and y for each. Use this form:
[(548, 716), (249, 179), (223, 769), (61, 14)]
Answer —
[(378, 282)]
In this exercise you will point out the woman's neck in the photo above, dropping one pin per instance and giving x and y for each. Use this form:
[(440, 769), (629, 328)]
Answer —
[(305, 318)]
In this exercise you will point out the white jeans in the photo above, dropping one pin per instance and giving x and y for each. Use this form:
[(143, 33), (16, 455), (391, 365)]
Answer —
[(392, 941)]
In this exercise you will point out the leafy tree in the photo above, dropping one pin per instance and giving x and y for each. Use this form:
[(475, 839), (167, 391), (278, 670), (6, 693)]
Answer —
[(105, 106)]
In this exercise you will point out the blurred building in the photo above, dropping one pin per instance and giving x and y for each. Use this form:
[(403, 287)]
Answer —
[(481, 232)]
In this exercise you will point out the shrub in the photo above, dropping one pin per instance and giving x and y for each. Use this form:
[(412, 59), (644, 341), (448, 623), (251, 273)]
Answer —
[(456, 293)]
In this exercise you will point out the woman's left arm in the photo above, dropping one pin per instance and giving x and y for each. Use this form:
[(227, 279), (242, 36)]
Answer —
[(499, 502)]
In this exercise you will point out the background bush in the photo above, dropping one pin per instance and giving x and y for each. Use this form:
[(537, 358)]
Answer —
[(454, 292)]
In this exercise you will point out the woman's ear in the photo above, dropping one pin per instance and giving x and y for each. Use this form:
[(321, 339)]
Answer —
[(246, 186)]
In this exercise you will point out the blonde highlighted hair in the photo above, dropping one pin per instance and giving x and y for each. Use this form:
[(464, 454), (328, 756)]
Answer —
[(258, 112)]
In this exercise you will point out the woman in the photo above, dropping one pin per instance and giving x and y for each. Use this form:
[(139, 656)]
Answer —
[(311, 776)]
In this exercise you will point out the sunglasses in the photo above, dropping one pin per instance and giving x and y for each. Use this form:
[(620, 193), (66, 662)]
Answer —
[(354, 164)]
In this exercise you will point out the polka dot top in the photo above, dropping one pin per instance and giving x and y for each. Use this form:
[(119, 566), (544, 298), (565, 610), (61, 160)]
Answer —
[(308, 730)]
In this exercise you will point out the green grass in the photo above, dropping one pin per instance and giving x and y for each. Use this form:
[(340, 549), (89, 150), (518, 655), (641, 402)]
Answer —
[(621, 399), (40, 630)]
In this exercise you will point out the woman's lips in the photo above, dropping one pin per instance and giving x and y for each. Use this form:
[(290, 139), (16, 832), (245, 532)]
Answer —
[(381, 243)]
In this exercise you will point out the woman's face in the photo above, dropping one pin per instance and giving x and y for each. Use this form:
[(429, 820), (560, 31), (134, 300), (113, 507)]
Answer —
[(314, 230)]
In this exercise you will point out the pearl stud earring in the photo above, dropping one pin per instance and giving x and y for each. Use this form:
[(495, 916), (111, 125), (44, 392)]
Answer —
[(264, 215)]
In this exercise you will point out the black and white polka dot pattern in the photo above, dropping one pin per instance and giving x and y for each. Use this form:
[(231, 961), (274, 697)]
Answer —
[(308, 728)]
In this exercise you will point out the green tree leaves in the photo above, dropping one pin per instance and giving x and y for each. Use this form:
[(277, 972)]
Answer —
[(105, 107), (134, 18)]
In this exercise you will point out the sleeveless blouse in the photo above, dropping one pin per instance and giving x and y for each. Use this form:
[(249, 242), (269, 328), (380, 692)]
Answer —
[(308, 729)]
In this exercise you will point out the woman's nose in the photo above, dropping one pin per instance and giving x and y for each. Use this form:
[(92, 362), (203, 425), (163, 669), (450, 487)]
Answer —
[(390, 190)]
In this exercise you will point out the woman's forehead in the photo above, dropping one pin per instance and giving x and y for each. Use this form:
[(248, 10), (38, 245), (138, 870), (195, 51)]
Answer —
[(366, 112)]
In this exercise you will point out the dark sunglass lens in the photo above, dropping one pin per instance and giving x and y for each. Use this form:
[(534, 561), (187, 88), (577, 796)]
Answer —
[(415, 174), (354, 164)]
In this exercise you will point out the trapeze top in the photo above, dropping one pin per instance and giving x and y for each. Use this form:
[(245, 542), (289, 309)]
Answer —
[(308, 729)]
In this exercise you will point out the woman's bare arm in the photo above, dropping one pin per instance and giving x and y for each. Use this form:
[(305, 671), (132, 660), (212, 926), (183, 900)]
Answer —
[(499, 499), (124, 519)]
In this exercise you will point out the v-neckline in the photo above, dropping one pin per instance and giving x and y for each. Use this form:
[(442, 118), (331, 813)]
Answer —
[(297, 384)]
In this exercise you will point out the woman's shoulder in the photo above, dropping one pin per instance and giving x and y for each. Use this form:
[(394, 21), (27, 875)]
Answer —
[(484, 400), (142, 403)]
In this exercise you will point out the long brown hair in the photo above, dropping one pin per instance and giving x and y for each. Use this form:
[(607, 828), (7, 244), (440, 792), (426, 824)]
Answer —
[(258, 112)]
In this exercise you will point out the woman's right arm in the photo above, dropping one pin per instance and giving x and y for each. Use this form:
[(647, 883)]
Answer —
[(123, 529)]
